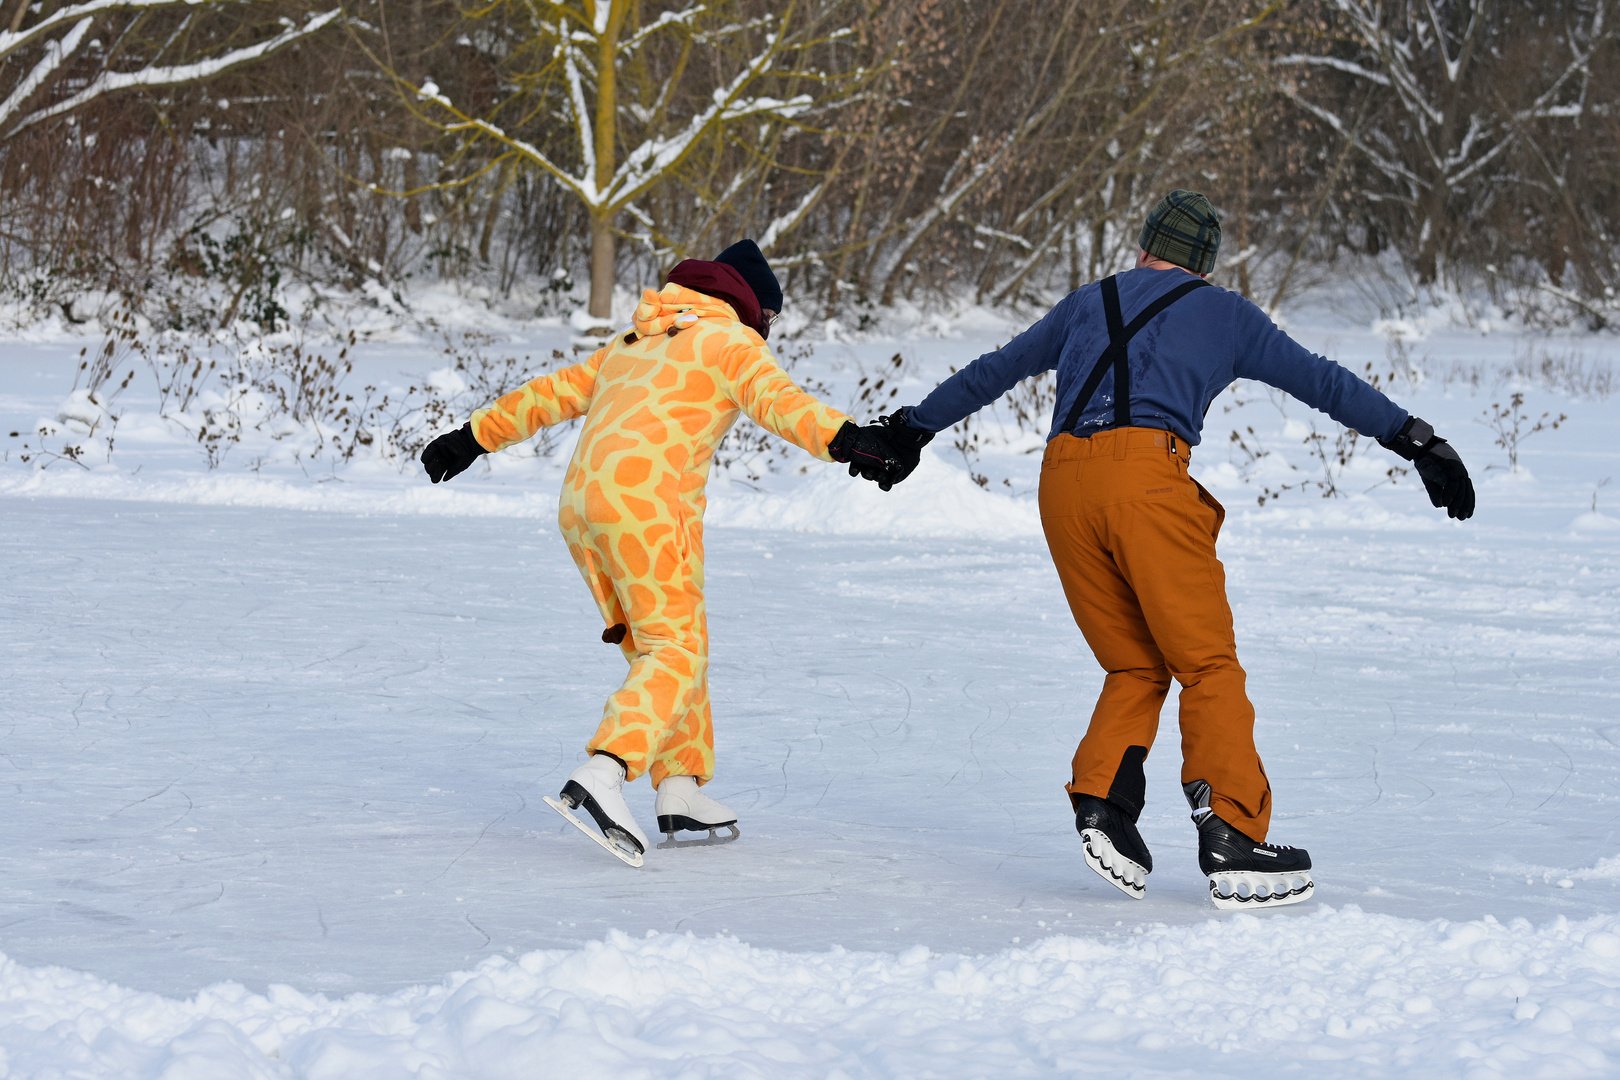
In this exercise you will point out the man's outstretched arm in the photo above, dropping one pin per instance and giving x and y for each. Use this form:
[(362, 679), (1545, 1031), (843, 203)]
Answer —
[(993, 374), (1267, 354)]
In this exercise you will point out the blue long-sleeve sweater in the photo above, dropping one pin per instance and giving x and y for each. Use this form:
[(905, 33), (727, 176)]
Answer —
[(1179, 362)]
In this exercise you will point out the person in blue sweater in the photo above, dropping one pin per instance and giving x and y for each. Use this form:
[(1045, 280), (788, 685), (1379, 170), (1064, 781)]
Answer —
[(1139, 357)]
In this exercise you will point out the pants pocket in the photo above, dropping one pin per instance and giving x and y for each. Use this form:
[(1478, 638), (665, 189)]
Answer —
[(1210, 501)]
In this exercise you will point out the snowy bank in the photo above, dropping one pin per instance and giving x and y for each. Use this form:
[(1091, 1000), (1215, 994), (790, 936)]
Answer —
[(937, 500), (1328, 993), (335, 495)]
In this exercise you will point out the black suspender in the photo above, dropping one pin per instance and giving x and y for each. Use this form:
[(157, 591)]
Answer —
[(1119, 336)]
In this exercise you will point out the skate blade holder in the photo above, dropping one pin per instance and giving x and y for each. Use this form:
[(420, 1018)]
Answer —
[(711, 840), (616, 843), (1126, 875), (1237, 890)]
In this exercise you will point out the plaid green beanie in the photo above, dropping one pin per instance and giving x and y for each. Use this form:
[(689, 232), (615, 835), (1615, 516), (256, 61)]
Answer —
[(1183, 229)]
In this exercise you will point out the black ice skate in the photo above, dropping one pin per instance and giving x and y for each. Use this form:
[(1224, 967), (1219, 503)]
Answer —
[(1245, 874), (1113, 846), (682, 807)]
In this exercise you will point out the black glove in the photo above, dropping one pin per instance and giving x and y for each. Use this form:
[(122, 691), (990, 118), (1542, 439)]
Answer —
[(451, 453), (866, 451), (906, 442), (1443, 473)]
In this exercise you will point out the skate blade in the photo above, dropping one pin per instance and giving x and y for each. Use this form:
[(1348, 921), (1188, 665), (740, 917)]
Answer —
[(1237, 890), (1126, 875), (626, 854), (703, 841)]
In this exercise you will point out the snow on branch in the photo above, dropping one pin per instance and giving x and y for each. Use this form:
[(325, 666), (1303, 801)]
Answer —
[(1389, 167), (1453, 66), (775, 230), (464, 122), (55, 53), (10, 42), (654, 157), (110, 81), (1333, 62), (667, 19), (582, 113), (709, 37), (1579, 65), (1000, 234)]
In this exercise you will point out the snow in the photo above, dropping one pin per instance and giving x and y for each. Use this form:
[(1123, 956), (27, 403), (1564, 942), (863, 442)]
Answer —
[(1333, 993), (276, 733), (1594, 522), (936, 501)]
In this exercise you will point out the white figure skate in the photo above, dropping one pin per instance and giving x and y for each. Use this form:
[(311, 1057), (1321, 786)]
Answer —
[(681, 806), (598, 785)]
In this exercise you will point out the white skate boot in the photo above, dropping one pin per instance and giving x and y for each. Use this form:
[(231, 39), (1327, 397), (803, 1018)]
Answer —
[(682, 806), (598, 785)]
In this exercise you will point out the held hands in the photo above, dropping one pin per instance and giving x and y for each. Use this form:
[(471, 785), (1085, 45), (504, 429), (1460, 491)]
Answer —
[(905, 441), (1443, 473), (451, 453), (885, 452), (865, 451)]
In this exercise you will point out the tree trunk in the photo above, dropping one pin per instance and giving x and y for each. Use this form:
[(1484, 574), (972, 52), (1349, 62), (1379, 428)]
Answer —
[(607, 116), (1427, 262), (413, 206), (601, 268)]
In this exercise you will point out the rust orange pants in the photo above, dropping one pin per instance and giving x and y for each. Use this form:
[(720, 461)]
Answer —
[(1133, 537)]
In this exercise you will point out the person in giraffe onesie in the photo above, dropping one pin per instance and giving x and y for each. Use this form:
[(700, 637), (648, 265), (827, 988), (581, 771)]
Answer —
[(657, 400)]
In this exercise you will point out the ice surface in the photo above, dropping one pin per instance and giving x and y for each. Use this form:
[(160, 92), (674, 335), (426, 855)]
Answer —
[(269, 736)]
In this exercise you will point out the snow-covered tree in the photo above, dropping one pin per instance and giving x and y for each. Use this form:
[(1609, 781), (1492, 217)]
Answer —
[(1437, 99), (1008, 137), (613, 98), (56, 58)]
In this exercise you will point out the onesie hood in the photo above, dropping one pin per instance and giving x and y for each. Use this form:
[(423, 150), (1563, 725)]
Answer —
[(677, 307)]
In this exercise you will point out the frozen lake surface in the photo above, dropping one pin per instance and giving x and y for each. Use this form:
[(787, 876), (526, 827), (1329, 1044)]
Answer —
[(292, 735), (309, 748)]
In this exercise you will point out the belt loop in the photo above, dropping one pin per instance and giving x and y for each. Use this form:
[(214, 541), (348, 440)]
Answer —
[(1120, 439)]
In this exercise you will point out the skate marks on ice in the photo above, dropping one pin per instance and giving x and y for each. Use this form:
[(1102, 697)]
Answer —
[(343, 709), (1449, 712)]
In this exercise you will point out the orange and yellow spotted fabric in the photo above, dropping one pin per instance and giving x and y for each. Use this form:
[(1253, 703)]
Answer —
[(655, 408)]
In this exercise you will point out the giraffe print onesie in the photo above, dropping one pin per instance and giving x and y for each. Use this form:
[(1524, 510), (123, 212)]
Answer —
[(656, 403)]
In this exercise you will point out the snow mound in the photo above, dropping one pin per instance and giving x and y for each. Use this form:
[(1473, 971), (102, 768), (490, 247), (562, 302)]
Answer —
[(1355, 512), (333, 496), (938, 500), (1354, 994), (1595, 522), (1520, 477)]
